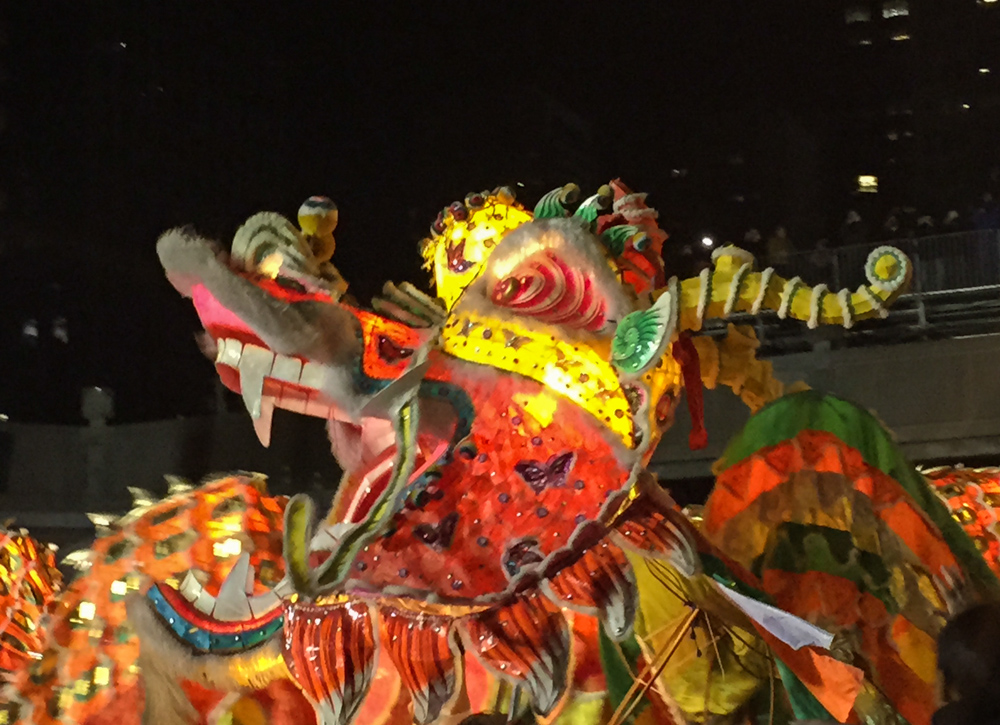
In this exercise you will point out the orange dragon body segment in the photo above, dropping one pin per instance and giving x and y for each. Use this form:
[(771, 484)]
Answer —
[(29, 583), (972, 495), (88, 663)]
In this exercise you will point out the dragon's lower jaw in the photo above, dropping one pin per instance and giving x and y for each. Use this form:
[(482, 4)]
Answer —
[(329, 646)]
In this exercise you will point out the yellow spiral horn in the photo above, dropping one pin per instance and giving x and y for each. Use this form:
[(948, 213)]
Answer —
[(732, 286)]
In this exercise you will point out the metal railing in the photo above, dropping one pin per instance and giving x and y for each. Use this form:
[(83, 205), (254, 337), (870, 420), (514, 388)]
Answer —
[(955, 292), (941, 264)]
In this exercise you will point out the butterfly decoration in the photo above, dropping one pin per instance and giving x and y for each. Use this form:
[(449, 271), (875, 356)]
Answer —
[(438, 536), (456, 258), (551, 474), (522, 552)]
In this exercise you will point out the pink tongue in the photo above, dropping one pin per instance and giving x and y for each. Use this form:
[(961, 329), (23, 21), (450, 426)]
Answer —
[(430, 449), (368, 496)]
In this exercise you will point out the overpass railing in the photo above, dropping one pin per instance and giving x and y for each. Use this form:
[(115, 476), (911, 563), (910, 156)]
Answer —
[(943, 263)]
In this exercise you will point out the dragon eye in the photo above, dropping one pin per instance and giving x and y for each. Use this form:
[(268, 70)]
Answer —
[(391, 352), (640, 242)]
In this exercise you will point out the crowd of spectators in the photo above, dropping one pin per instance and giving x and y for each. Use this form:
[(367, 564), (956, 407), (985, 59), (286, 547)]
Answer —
[(818, 259)]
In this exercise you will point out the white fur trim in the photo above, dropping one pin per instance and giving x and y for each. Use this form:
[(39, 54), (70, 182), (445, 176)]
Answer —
[(734, 287), (787, 295), (816, 305), (704, 292), (897, 281), (846, 309), (731, 250), (637, 214), (765, 282), (874, 301), (628, 199)]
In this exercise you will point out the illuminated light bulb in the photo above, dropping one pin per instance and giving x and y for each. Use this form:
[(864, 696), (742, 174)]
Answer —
[(119, 588), (984, 70), (102, 676), (707, 242), (226, 548), (87, 610)]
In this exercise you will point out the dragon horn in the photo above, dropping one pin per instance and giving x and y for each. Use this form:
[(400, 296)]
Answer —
[(554, 204), (592, 207), (614, 238), (732, 286)]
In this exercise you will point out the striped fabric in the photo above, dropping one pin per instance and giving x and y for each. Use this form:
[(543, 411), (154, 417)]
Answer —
[(526, 643), (425, 651), (600, 582), (330, 653)]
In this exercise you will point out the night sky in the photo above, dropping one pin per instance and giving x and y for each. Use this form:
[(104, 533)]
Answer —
[(127, 118)]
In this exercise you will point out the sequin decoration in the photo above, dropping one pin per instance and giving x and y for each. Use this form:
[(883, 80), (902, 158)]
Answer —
[(29, 582)]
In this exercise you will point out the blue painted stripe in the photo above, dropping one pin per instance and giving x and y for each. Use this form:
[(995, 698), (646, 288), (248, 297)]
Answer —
[(208, 642)]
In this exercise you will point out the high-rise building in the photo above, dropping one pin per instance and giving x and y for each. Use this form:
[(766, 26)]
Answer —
[(919, 101)]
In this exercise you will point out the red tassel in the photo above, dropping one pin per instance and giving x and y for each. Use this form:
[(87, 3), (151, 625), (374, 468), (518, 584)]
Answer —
[(687, 355)]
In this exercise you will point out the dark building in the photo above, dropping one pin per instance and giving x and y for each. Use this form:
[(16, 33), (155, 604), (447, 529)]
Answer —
[(919, 96), (864, 105)]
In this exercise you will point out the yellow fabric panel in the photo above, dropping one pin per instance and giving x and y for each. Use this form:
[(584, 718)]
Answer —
[(728, 672)]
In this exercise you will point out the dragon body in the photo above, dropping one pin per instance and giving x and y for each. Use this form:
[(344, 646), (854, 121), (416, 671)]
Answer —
[(495, 542)]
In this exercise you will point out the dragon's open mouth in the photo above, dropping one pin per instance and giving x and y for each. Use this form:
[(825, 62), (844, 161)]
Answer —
[(368, 450)]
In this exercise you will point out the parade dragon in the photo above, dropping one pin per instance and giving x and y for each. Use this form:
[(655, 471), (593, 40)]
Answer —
[(496, 545)]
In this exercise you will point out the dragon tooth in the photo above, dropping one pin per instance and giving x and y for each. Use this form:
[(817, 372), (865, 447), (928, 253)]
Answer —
[(286, 369), (284, 588), (313, 376), (205, 603), (262, 424), (255, 365), (249, 581), (190, 588), (232, 604), (263, 604), (230, 352)]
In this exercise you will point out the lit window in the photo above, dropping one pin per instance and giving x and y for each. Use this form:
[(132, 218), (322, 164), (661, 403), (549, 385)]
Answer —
[(868, 184), (858, 14), (895, 8), (900, 36)]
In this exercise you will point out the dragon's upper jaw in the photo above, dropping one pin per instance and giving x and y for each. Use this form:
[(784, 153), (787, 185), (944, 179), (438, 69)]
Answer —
[(281, 347)]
